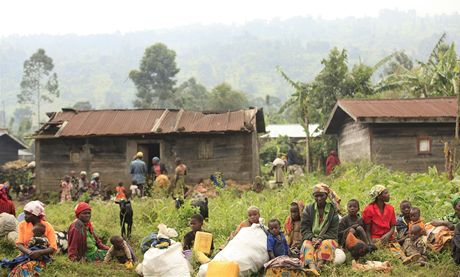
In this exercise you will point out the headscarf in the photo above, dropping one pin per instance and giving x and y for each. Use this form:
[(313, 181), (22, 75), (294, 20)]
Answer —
[(455, 200), (376, 191), (83, 173), (80, 207), (36, 208), (139, 155), (331, 194), (94, 176), (156, 159)]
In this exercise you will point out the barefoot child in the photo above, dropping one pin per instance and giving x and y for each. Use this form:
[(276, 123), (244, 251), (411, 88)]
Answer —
[(276, 242), (402, 221), (414, 247), (120, 251), (292, 229)]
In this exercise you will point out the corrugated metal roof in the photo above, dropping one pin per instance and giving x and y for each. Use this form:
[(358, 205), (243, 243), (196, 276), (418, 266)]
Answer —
[(21, 145), (70, 123), (400, 108), (291, 130)]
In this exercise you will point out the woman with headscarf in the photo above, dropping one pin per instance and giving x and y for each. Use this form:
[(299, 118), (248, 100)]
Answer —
[(34, 213), (6, 205), (319, 226), (440, 232), (84, 244)]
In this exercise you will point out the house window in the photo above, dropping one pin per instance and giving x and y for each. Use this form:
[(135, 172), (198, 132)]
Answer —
[(74, 156), (205, 150), (424, 145)]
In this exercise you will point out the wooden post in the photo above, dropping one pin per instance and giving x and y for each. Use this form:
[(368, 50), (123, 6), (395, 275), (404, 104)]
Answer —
[(457, 119)]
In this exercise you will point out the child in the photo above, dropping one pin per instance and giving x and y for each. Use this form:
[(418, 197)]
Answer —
[(415, 219), (120, 189), (196, 223), (134, 189), (403, 220), (121, 251), (253, 218), (39, 240), (414, 247), (276, 242), (352, 223), (66, 188), (292, 229)]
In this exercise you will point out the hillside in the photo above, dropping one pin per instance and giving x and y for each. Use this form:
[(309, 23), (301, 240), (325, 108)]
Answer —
[(95, 67)]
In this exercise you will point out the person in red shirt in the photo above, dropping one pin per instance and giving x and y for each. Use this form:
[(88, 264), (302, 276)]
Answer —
[(6, 205), (332, 161), (379, 217)]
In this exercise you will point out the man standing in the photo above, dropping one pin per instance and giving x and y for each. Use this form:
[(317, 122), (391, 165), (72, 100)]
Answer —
[(138, 172)]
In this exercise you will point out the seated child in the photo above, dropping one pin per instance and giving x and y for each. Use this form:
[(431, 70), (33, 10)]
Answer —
[(456, 245), (39, 240), (415, 219), (352, 223), (276, 242), (120, 251), (402, 221), (414, 247), (253, 218), (292, 229), (120, 189), (196, 223)]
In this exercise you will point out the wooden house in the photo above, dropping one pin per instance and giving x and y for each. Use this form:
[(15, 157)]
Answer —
[(105, 141), (403, 134), (9, 147)]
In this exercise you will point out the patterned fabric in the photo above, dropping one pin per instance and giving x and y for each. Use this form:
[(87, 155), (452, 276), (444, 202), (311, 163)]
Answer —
[(66, 189), (438, 237), (331, 194), (394, 247), (418, 222), (36, 208), (92, 252), (376, 191), (25, 233), (413, 247), (27, 268), (325, 251)]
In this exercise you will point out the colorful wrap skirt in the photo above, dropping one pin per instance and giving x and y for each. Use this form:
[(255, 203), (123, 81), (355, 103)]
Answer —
[(325, 251)]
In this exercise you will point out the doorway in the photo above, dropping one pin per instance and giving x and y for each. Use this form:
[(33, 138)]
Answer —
[(149, 150)]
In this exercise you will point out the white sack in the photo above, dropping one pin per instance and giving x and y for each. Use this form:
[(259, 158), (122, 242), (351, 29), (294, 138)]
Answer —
[(169, 262), (8, 223)]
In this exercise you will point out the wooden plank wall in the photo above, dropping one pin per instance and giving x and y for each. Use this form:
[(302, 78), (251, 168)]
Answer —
[(354, 142), (396, 145), (232, 154), (8, 150)]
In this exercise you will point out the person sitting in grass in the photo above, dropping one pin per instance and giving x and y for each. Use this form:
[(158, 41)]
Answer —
[(292, 229), (440, 232), (456, 245), (253, 218), (276, 242), (84, 244), (196, 224), (120, 251), (402, 221), (319, 227), (352, 223), (415, 247), (415, 219)]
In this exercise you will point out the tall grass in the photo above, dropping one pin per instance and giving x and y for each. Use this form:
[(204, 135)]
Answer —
[(430, 191)]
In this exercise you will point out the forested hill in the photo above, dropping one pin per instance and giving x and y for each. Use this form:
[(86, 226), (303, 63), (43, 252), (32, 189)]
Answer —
[(96, 67)]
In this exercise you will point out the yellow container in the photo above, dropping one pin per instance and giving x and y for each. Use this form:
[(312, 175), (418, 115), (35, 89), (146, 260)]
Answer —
[(223, 269), (203, 242)]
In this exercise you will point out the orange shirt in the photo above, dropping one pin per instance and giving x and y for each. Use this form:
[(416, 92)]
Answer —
[(120, 193), (25, 233), (418, 222)]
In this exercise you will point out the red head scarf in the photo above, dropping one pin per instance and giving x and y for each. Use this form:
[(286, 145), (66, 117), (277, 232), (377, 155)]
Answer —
[(82, 206)]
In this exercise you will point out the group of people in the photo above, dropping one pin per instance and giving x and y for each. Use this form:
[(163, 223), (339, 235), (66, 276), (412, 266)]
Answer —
[(72, 187)]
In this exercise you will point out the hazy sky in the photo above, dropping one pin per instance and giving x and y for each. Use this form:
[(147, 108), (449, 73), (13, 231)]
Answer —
[(103, 16)]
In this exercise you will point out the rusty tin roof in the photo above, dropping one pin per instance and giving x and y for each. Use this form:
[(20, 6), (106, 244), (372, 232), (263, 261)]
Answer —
[(72, 123), (442, 109)]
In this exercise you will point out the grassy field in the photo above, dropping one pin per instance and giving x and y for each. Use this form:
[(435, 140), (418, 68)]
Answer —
[(431, 192)]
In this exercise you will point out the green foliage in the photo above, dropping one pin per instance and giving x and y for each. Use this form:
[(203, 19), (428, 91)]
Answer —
[(39, 82), (223, 98), (155, 78), (192, 96), (272, 148)]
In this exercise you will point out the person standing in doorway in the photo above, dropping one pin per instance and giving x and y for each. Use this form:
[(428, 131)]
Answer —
[(138, 170)]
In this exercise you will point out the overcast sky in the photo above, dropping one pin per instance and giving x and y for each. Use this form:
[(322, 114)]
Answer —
[(103, 16)]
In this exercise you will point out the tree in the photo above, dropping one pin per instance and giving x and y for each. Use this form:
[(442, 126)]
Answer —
[(224, 98), (39, 82), (82, 105), (400, 61), (155, 79), (192, 95)]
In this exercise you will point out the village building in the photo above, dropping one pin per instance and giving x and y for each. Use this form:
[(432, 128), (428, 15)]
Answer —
[(9, 147), (105, 141), (402, 134)]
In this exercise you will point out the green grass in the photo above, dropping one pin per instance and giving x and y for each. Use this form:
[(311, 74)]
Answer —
[(430, 191)]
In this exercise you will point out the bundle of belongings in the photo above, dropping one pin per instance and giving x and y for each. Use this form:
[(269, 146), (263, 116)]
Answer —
[(384, 267), (284, 266), (248, 249), (218, 179), (163, 258), (9, 227)]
